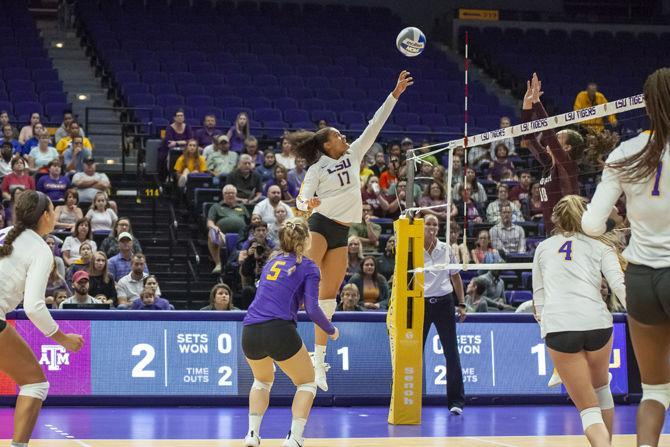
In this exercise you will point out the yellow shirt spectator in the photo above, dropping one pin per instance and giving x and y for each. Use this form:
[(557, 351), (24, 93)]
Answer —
[(64, 142), (584, 100), (192, 164)]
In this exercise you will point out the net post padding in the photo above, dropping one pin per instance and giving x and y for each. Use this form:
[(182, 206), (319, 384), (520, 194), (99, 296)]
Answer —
[(405, 324)]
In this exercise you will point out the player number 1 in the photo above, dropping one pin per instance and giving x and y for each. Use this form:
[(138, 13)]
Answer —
[(656, 192)]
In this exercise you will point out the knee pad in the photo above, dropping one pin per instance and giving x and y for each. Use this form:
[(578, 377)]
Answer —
[(308, 387), (604, 394), (328, 307), (591, 416), (258, 385), (35, 390), (659, 393)]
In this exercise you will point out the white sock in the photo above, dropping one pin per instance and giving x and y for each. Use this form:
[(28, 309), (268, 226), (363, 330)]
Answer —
[(297, 427), (19, 444), (319, 354), (255, 424)]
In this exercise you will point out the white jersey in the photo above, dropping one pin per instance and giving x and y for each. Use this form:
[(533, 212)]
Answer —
[(647, 207), (567, 272), (337, 182), (24, 275)]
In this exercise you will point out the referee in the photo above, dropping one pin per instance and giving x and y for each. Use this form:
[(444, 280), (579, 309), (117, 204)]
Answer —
[(441, 308)]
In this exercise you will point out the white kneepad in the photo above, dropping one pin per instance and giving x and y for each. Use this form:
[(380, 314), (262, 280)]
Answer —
[(604, 394), (659, 393), (591, 416), (258, 385), (328, 307), (35, 390), (308, 387)]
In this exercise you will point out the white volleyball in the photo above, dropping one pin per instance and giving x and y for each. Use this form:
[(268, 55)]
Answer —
[(411, 41)]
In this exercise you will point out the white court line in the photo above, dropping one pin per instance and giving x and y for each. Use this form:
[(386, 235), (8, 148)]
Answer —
[(66, 435), (498, 443)]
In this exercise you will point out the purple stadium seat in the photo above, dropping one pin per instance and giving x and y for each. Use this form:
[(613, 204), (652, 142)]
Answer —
[(169, 100), (190, 89), (268, 115), (133, 88), (230, 113), (300, 93), (199, 68), (123, 77), (237, 79), (228, 101), (199, 100), (311, 104), (222, 90), (307, 70), (296, 115), (327, 115), (274, 129), (265, 80), (20, 85), (433, 120), (27, 107), (22, 96), (54, 110), (354, 94), (284, 103), (209, 79), (406, 118), (351, 117), (141, 98), (201, 112), (258, 103), (155, 77), (48, 86), (291, 81), (7, 106), (317, 82), (182, 77), (273, 92), (163, 88), (327, 94)]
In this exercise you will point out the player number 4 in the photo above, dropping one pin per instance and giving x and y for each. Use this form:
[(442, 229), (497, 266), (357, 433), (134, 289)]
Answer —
[(656, 192), (566, 249)]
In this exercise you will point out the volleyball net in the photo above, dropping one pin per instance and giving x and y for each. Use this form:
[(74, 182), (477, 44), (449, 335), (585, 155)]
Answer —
[(478, 249)]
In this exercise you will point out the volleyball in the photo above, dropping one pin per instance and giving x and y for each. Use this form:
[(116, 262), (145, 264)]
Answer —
[(411, 41)]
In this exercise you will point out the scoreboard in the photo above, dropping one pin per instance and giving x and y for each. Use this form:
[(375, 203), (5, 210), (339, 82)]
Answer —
[(199, 353)]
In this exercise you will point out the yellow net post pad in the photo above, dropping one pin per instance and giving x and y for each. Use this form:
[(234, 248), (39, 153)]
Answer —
[(405, 325)]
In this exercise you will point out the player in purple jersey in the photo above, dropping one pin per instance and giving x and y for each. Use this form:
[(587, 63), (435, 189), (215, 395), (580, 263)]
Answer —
[(288, 281)]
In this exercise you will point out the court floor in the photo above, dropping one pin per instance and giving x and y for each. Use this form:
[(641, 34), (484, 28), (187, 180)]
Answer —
[(502, 426)]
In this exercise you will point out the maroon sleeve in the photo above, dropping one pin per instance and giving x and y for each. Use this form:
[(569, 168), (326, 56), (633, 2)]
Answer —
[(549, 138), (534, 146)]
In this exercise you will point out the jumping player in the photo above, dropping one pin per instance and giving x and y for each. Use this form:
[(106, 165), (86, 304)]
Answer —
[(575, 322), (288, 280), (332, 190), (25, 265), (637, 168)]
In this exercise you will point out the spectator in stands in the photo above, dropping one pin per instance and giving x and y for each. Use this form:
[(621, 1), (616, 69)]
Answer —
[(220, 298), (110, 245), (266, 207), (120, 264), (254, 254), (501, 162), (457, 170), (9, 211), (18, 178), (41, 155), (189, 162), (58, 296), (54, 184), (80, 284), (495, 290), (532, 206), (221, 161), (459, 251), (266, 171), (90, 182), (372, 196), (178, 132), (484, 253), (101, 282), (321, 124), (493, 210), (224, 217), (506, 122), (405, 145), (386, 262), (100, 214), (375, 289), (8, 136), (74, 131), (251, 149), (479, 157), (130, 285), (394, 150), (475, 301), (247, 182), (149, 298), (477, 190), (288, 193), (6, 153), (355, 252), (57, 279), (397, 200), (435, 195), (424, 149), (239, 132), (521, 192), (69, 214), (37, 130), (349, 299), (4, 120), (507, 237), (365, 172), (281, 214), (379, 165), (589, 98), (286, 157), (424, 176), (62, 131), (27, 131), (206, 135), (475, 212), (390, 176), (75, 154), (72, 244), (297, 175), (84, 261), (366, 231)]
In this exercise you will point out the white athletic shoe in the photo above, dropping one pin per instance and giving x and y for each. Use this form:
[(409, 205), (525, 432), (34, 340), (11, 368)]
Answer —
[(252, 440), (555, 380), (456, 411), (290, 441), (320, 371)]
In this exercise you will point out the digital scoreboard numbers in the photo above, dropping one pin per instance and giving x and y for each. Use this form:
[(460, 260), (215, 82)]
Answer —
[(164, 358)]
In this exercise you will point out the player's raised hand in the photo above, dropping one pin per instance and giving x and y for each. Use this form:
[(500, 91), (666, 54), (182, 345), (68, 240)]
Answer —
[(404, 81), (536, 88), (528, 97)]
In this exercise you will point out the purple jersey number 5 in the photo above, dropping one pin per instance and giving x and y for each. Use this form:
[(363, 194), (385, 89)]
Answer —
[(655, 192)]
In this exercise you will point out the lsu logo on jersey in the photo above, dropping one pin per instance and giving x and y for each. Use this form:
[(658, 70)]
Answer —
[(344, 164)]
